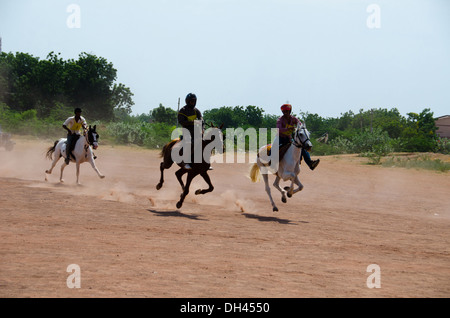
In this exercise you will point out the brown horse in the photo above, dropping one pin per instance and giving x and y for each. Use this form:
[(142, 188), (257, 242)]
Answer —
[(201, 168)]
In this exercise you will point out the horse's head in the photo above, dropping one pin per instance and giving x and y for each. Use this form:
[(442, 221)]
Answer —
[(214, 134), (93, 136), (301, 137)]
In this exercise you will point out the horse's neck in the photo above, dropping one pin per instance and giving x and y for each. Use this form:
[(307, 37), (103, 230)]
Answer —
[(81, 143)]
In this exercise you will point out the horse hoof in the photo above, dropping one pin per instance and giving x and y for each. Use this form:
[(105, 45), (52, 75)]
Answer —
[(289, 195), (102, 177), (284, 199), (275, 209), (179, 204), (199, 191), (158, 186)]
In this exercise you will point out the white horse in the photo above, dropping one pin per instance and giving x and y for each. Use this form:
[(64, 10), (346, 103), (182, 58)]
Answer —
[(82, 152), (288, 167)]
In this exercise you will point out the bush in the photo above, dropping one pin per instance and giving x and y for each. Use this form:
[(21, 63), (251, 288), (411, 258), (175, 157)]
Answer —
[(442, 146), (420, 162), (151, 135), (377, 141), (342, 145)]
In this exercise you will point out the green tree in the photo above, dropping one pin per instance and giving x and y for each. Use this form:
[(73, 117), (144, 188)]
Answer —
[(420, 132), (163, 114)]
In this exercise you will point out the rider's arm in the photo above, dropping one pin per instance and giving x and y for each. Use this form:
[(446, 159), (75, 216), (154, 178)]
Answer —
[(68, 130)]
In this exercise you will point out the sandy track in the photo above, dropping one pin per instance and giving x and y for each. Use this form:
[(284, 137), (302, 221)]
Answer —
[(129, 240)]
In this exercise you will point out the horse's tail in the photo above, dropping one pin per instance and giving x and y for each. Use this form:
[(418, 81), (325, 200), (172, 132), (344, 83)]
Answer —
[(254, 173), (51, 150), (168, 147)]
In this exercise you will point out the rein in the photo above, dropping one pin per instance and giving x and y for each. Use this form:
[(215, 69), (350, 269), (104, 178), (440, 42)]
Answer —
[(299, 145), (86, 137)]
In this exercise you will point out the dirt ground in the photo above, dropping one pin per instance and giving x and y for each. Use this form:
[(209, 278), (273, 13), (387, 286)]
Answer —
[(129, 240)]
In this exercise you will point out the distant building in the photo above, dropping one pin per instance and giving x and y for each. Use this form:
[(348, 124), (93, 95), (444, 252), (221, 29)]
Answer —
[(443, 126)]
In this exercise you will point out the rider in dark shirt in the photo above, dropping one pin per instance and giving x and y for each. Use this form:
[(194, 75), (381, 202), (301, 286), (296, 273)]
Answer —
[(188, 117)]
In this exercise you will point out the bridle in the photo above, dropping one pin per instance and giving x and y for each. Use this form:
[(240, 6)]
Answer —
[(294, 141), (88, 142)]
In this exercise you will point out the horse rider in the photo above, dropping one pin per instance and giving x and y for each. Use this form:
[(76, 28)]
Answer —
[(73, 126), (188, 117), (286, 125)]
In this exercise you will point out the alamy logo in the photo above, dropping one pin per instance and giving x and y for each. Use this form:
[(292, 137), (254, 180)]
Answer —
[(196, 147), (74, 279), (74, 19), (374, 279), (374, 19)]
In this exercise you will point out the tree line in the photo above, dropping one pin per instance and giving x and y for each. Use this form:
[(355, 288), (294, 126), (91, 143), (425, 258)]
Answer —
[(36, 95), (380, 129), (29, 83)]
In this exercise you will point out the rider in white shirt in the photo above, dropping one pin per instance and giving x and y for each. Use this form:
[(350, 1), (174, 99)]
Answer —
[(73, 125)]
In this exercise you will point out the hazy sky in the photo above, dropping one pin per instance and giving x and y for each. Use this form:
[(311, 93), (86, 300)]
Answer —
[(323, 56)]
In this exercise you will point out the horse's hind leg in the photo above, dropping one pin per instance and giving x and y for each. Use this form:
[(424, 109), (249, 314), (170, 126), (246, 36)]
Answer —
[(62, 169), (208, 181), (266, 182), (165, 164), (55, 160), (161, 180)]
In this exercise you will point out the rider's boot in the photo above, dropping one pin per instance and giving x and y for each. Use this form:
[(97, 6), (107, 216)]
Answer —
[(187, 166), (67, 159), (314, 164)]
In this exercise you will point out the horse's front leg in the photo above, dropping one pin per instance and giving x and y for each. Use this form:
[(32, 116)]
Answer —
[(208, 181), (186, 190), (300, 185), (266, 182), (291, 191), (179, 174), (94, 166), (78, 172), (276, 184)]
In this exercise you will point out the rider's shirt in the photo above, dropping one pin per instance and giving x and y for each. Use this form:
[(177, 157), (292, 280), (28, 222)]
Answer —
[(75, 126), (186, 116), (286, 126)]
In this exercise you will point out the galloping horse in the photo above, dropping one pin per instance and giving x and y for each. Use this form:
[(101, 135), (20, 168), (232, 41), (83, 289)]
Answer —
[(288, 168), (82, 152), (200, 168)]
